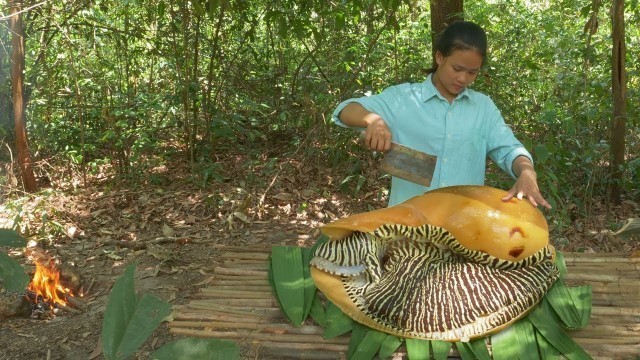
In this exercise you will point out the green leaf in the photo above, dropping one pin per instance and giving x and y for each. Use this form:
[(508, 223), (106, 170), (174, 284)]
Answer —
[(12, 274), (505, 344), (198, 349), (554, 334), (11, 238), (288, 279), (542, 153), (418, 349), (337, 322), (561, 264), (358, 332), (128, 319), (369, 345), (479, 348), (389, 345), (317, 311), (547, 351), (562, 302), (527, 340), (465, 351), (440, 349), (582, 300), (309, 285), (475, 349)]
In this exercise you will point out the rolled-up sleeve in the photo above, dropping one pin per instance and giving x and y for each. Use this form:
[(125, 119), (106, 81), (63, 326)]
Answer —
[(502, 145), (380, 104)]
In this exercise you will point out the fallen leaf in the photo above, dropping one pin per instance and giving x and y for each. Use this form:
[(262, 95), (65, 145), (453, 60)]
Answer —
[(283, 197), (167, 230), (97, 351)]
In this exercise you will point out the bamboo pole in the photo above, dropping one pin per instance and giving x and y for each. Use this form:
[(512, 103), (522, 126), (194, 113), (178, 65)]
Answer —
[(260, 303), (235, 281), (335, 348), (609, 351), (261, 266), (240, 286), (295, 353), (235, 294), (252, 335), (248, 256), (249, 325), (247, 277), (234, 307), (239, 272), (211, 316), (621, 311), (206, 314)]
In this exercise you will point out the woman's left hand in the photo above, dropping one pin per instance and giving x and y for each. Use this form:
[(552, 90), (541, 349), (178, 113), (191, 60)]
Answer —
[(526, 185)]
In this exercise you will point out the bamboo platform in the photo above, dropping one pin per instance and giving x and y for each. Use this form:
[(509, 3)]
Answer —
[(239, 305)]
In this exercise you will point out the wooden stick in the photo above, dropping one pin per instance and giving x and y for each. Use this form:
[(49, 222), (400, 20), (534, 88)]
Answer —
[(205, 307), (313, 354), (234, 281), (252, 335), (241, 286), (239, 272), (247, 266), (622, 311), (248, 325), (612, 351), (623, 341), (237, 294), (261, 303), (78, 303), (335, 348), (249, 256), (190, 316), (68, 309)]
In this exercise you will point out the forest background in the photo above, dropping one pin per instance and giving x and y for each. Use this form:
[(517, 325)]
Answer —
[(160, 130), (228, 103)]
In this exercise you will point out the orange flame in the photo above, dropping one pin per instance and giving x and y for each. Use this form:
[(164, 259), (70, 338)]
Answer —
[(46, 283)]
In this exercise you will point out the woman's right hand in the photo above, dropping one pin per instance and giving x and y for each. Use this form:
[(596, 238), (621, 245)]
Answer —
[(377, 136)]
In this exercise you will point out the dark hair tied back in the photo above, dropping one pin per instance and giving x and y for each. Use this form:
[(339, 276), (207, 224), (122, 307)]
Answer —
[(462, 35)]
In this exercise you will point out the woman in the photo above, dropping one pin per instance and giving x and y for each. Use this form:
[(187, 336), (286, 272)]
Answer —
[(441, 116)]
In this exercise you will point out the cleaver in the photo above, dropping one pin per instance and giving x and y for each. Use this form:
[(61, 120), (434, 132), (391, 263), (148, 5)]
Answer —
[(408, 164)]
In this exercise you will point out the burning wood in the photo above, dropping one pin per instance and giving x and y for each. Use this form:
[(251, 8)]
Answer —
[(48, 294), (46, 284)]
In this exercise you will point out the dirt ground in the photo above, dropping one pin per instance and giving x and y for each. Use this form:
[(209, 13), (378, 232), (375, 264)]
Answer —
[(173, 227)]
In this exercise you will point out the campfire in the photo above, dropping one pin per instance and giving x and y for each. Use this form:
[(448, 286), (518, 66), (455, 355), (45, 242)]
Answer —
[(54, 289), (46, 285), (46, 291)]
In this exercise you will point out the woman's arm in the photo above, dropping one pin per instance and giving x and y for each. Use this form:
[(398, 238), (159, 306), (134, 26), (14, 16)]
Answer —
[(526, 184), (377, 136)]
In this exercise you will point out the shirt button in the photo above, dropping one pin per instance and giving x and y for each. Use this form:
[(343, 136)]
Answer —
[(448, 136), (446, 160)]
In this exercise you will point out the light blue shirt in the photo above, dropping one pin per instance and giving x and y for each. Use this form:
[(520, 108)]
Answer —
[(461, 134)]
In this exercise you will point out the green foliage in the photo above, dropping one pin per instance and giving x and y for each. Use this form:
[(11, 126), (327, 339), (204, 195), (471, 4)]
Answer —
[(198, 349), (12, 275), (129, 319), (117, 88), (292, 282), (11, 238)]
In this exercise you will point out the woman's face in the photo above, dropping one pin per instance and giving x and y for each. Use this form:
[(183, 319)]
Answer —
[(456, 71)]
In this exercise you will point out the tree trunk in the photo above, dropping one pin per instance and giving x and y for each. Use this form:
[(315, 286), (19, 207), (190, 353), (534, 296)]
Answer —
[(618, 88), (443, 13), (5, 95), (17, 93)]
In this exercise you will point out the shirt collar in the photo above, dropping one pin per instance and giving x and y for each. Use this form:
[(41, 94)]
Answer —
[(429, 90)]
